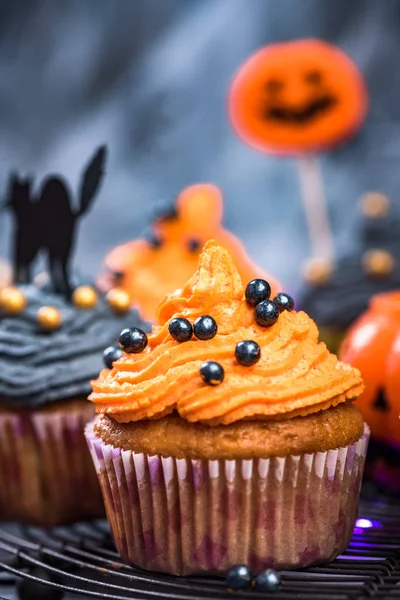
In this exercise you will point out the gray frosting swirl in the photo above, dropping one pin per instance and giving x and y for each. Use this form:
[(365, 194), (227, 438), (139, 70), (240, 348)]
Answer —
[(339, 302), (39, 368)]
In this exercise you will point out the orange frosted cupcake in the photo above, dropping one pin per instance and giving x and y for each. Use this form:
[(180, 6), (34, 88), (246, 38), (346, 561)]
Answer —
[(228, 435), (142, 268)]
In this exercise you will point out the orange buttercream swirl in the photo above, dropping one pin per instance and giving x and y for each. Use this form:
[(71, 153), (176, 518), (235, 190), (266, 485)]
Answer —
[(295, 374)]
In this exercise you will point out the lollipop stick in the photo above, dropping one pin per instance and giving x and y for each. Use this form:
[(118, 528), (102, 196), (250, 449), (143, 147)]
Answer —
[(314, 203)]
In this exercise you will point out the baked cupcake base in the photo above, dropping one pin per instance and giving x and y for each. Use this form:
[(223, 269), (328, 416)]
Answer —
[(46, 469), (166, 513)]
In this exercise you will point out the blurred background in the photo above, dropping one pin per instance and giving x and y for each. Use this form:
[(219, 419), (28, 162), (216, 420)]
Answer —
[(150, 78)]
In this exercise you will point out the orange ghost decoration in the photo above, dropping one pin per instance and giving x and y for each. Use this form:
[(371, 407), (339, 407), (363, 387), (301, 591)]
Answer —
[(373, 346), (297, 97), (150, 269)]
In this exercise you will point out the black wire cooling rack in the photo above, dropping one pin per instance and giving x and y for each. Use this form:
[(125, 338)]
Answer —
[(81, 562)]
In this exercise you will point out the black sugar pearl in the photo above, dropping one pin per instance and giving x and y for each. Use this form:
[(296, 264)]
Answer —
[(205, 328), (257, 291), (180, 329), (152, 239), (266, 313), (284, 302), (110, 355), (165, 211), (212, 373), (267, 581), (133, 340), (239, 577), (247, 353), (194, 245), (118, 276)]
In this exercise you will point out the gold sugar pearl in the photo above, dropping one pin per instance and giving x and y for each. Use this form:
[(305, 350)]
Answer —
[(49, 318), (374, 205), (379, 263), (12, 301), (118, 300), (318, 270), (85, 297)]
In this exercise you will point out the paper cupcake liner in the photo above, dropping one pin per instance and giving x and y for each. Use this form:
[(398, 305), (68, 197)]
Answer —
[(190, 516), (46, 473)]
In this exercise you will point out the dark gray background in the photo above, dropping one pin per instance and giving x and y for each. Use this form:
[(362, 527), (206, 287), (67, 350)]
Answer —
[(150, 77)]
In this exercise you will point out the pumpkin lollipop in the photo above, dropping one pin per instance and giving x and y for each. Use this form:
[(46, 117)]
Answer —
[(300, 98)]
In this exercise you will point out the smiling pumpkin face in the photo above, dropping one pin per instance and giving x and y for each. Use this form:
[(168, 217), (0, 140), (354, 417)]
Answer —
[(372, 345), (297, 97)]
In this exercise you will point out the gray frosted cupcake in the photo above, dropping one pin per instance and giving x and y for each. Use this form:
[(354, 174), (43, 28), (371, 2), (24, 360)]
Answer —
[(49, 352), (336, 297)]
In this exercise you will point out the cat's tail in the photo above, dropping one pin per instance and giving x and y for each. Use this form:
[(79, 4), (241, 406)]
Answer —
[(91, 180)]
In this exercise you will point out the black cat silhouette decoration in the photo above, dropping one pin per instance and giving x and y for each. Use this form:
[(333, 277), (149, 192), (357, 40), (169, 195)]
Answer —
[(48, 223)]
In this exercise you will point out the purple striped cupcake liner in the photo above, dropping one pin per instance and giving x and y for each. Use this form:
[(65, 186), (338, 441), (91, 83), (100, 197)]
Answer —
[(184, 516), (46, 473)]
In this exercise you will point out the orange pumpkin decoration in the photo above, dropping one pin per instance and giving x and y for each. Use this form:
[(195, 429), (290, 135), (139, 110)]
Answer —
[(151, 269), (373, 346), (297, 97)]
